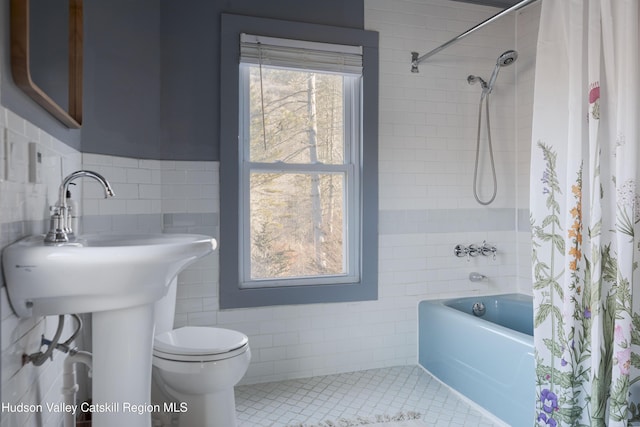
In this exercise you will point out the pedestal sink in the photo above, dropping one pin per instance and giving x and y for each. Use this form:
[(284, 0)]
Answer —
[(117, 278)]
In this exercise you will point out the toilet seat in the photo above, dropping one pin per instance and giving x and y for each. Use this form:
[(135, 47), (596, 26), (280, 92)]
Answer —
[(199, 344)]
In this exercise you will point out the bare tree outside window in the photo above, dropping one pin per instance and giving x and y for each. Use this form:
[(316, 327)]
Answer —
[(297, 215)]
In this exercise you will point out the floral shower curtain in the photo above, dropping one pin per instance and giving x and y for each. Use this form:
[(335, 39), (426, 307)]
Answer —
[(585, 211)]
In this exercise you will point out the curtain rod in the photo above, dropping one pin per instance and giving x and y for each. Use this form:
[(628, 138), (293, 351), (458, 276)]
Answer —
[(415, 59)]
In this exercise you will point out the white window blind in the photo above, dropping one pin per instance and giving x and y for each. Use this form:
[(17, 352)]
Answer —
[(277, 52)]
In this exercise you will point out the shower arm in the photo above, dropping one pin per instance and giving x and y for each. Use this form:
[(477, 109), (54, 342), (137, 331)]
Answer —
[(416, 59)]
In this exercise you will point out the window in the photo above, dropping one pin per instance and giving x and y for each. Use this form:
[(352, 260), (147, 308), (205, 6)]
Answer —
[(300, 146), (299, 178)]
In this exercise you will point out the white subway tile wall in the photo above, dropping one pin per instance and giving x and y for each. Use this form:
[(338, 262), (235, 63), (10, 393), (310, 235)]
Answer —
[(24, 209), (428, 124), (136, 183)]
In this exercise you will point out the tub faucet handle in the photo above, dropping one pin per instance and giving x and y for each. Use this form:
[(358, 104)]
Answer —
[(474, 250), (460, 251), (488, 249)]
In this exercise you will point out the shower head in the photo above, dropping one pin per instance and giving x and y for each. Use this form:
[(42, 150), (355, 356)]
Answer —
[(507, 58)]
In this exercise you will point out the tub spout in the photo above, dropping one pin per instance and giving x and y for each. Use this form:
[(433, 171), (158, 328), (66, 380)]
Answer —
[(477, 277)]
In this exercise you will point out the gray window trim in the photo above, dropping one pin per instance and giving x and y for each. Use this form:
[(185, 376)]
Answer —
[(231, 295)]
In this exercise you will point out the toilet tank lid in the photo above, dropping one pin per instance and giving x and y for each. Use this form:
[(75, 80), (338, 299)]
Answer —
[(199, 340)]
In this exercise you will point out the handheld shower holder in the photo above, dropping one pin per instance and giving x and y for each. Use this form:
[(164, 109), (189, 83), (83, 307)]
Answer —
[(414, 62), (471, 79)]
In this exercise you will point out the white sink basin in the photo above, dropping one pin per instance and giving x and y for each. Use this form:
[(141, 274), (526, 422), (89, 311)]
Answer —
[(117, 279), (96, 273)]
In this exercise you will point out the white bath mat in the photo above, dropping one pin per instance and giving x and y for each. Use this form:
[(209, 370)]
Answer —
[(402, 419)]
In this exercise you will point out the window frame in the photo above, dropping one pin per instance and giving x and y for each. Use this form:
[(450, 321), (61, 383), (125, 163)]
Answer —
[(361, 288)]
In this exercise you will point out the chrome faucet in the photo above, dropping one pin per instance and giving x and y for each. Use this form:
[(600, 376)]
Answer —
[(60, 229)]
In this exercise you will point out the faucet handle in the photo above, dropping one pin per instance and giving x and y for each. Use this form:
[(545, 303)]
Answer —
[(488, 249), (57, 226), (474, 250), (460, 251)]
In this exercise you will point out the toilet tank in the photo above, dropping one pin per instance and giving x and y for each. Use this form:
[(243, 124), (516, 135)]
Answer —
[(165, 309)]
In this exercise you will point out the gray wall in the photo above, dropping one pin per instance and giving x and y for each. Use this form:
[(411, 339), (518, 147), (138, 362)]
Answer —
[(190, 39), (122, 78), (151, 72)]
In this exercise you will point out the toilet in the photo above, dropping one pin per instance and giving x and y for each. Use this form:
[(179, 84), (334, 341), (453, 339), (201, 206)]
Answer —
[(195, 369)]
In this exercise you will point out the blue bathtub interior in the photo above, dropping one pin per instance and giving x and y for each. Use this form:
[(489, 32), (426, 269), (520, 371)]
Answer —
[(513, 311), (488, 359)]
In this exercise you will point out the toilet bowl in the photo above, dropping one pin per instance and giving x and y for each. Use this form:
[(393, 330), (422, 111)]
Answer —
[(195, 369)]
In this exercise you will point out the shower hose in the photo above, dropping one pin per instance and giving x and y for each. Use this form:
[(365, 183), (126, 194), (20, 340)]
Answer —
[(485, 98)]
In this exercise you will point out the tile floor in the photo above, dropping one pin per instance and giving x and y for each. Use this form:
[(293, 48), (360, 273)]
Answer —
[(366, 394)]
